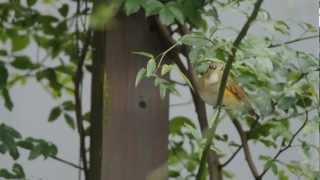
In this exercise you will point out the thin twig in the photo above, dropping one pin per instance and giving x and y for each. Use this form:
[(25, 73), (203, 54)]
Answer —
[(177, 82), (282, 150), (66, 162), (181, 104), (231, 157), (293, 41)]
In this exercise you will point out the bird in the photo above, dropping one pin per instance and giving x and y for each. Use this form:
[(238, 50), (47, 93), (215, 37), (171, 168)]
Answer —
[(208, 82)]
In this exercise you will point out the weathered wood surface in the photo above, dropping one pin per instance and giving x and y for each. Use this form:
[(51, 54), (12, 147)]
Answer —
[(135, 120)]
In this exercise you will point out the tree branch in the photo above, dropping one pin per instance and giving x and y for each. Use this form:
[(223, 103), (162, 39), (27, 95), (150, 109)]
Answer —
[(293, 41), (246, 148), (235, 46), (66, 162), (231, 157), (282, 150), (78, 102)]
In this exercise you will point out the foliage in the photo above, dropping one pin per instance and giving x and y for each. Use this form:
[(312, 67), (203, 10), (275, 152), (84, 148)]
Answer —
[(280, 80), (12, 142), (43, 46)]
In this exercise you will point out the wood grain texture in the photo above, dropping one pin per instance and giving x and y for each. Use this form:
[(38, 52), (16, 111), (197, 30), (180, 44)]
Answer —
[(135, 123)]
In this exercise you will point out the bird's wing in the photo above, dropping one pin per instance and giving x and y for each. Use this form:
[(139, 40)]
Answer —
[(237, 91)]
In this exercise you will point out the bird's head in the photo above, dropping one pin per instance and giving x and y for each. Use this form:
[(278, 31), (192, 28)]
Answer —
[(213, 73)]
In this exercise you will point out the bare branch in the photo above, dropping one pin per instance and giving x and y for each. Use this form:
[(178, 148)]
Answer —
[(66, 162), (282, 150), (246, 148), (293, 41), (181, 104), (231, 157)]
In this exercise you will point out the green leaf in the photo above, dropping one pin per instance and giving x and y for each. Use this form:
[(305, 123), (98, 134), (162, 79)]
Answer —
[(304, 101), (11, 132), (3, 149), (282, 175), (103, 15), (23, 63), (3, 52), (18, 170), (308, 27), (132, 6), (7, 99), (54, 114), (163, 90), (165, 69), (166, 16), (178, 122), (19, 42), (31, 2), (306, 148), (51, 75), (174, 174), (282, 27), (143, 54), (195, 39), (6, 174), (151, 67), (69, 120), (3, 75), (140, 75), (63, 10), (286, 102), (35, 152), (178, 14), (152, 7), (26, 144), (68, 106), (13, 151)]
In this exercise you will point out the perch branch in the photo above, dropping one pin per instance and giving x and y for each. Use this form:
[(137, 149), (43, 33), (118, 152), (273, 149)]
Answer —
[(282, 150), (236, 43), (294, 41)]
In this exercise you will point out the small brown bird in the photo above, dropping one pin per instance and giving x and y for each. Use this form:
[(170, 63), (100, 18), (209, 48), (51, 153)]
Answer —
[(208, 84)]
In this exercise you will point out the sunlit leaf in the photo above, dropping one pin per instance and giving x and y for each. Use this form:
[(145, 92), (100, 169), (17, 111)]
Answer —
[(140, 75), (151, 67)]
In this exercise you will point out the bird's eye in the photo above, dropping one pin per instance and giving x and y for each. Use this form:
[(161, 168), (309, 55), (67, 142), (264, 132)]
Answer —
[(212, 66)]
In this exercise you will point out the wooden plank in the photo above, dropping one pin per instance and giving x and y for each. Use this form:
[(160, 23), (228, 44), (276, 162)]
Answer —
[(135, 122)]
